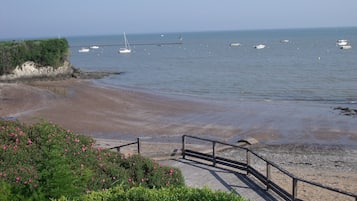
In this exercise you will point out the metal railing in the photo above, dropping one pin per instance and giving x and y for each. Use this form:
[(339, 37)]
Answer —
[(137, 142), (247, 167)]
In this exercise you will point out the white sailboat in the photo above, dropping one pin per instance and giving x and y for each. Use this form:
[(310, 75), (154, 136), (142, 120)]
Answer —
[(126, 49), (83, 50)]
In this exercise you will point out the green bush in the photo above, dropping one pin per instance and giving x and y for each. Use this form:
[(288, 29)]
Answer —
[(163, 194), (50, 52), (45, 161)]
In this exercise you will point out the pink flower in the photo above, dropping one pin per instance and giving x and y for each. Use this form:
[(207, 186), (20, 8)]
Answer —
[(4, 147), (29, 141), (18, 179), (84, 148), (171, 171), (129, 180)]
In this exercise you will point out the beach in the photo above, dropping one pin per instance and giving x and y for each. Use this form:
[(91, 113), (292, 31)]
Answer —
[(117, 115)]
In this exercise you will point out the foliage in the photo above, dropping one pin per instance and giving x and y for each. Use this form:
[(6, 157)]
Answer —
[(166, 194), (45, 161), (50, 52)]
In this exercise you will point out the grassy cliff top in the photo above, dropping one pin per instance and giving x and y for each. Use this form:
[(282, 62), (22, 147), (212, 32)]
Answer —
[(48, 52)]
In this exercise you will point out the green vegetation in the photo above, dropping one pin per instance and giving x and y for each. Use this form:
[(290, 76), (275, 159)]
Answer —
[(168, 194), (45, 161), (50, 52)]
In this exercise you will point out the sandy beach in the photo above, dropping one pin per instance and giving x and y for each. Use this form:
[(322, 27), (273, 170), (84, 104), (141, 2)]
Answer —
[(115, 115)]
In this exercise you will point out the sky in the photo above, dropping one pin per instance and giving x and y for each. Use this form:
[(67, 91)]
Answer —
[(53, 18)]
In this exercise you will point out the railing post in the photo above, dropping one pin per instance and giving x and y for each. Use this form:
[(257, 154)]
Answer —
[(139, 146), (214, 152), (268, 176), (294, 189), (248, 161), (183, 146)]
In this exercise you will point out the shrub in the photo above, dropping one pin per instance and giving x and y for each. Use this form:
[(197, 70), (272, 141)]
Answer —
[(45, 161), (167, 194)]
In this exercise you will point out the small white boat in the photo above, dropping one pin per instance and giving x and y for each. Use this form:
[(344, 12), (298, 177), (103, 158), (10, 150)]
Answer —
[(234, 44), (126, 49), (285, 41), (94, 47), (83, 50), (345, 47), (260, 46), (342, 42)]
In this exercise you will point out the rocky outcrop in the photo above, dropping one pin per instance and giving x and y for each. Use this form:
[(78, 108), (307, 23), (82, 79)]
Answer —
[(29, 70), (347, 111)]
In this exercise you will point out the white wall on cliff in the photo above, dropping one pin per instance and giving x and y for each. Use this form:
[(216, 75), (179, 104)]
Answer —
[(29, 69)]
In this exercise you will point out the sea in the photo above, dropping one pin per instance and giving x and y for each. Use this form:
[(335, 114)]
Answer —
[(298, 70)]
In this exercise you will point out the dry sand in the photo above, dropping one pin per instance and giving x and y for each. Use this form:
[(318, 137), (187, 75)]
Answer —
[(112, 115)]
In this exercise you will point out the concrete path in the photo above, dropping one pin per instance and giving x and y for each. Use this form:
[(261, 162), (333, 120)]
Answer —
[(199, 175)]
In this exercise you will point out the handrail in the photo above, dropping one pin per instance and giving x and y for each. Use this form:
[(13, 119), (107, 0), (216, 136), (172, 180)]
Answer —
[(131, 143), (250, 170)]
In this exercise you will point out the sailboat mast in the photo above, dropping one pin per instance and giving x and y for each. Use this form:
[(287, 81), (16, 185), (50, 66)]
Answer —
[(125, 41)]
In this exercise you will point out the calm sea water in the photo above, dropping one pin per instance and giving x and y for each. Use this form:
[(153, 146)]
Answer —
[(310, 67), (286, 88)]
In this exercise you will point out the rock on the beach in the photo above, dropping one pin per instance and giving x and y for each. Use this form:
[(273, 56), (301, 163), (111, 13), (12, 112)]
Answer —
[(347, 111)]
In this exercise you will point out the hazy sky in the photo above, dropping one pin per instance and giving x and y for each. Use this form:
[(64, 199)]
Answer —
[(51, 18)]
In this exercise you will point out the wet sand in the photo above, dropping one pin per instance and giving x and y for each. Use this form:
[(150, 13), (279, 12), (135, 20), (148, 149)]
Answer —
[(118, 113), (104, 112), (115, 114)]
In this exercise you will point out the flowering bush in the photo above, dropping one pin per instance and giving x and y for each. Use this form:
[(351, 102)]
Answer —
[(45, 161), (169, 194)]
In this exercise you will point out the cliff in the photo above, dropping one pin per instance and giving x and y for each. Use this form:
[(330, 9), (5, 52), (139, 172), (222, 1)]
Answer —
[(34, 58)]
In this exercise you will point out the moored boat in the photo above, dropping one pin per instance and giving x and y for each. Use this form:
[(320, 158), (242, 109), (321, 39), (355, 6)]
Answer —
[(83, 50), (260, 46), (234, 44), (126, 49), (94, 47)]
